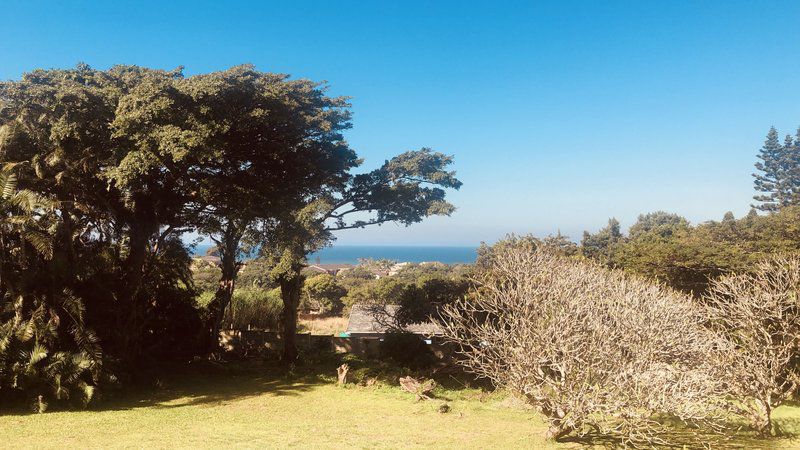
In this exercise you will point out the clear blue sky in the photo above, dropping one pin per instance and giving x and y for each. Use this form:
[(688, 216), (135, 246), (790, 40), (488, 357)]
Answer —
[(560, 114)]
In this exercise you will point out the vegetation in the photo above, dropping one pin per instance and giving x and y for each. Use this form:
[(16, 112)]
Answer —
[(323, 294), (633, 336), (666, 247), (256, 406), (103, 171), (47, 353), (405, 190), (759, 315), (592, 349), (778, 177)]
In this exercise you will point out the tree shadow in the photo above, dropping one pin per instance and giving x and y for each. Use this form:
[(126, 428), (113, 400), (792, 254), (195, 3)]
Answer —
[(215, 385), (693, 438), (180, 385)]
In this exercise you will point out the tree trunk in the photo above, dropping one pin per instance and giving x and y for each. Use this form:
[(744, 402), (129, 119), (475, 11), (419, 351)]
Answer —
[(556, 432), (556, 414), (291, 286), (763, 421), (227, 283), (131, 310)]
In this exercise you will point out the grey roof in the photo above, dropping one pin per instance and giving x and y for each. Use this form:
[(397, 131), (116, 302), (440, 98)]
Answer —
[(376, 319), (329, 268)]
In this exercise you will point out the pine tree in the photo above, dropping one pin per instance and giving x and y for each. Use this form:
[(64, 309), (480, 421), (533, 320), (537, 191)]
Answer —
[(778, 182), (793, 159)]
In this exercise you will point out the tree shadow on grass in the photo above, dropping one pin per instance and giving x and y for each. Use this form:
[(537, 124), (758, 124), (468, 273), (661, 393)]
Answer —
[(694, 438), (179, 385), (208, 385)]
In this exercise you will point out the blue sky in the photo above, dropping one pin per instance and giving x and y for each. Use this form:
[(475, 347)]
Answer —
[(560, 114)]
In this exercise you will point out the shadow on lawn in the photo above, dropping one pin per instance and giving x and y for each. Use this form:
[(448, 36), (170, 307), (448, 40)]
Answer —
[(206, 383), (693, 438)]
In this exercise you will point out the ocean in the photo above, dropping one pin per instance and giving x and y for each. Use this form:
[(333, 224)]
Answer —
[(350, 254)]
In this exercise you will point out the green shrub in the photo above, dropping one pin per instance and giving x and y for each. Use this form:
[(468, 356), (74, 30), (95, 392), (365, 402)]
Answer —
[(46, 353), (205, 276), (321, 293)]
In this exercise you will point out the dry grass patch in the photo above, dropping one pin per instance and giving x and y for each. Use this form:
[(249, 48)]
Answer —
[(322, 325)]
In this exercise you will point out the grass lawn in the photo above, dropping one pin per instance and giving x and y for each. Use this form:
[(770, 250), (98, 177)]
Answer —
[(257, 407)]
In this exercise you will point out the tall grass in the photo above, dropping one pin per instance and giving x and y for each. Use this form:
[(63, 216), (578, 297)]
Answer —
[(251, 307)]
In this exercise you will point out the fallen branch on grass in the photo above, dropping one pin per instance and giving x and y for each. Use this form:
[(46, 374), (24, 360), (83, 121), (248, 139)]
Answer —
[(422, 389)]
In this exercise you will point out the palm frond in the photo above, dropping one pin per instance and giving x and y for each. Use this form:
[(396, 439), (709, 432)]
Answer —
[(42, 242), (8, 185)]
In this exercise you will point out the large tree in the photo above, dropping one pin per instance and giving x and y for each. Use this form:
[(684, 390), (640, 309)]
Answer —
[(79, 132), (778, 177), (405, 190), (258, 144)]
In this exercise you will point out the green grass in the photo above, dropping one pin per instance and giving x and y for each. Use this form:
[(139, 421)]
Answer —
[(257, 407)]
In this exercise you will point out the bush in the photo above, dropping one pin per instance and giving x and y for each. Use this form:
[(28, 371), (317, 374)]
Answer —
[(321, 293), (593, 349), (384, 291), (407, 350), (759, 315), (205, 276), (46, 353)]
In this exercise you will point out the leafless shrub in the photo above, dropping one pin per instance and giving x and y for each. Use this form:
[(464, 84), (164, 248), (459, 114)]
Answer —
[(759, 314), (592, 349)]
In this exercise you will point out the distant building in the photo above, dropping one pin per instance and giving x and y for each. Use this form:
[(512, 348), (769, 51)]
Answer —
[(397, 268), (208, 259), (375, 321), (331, 269)]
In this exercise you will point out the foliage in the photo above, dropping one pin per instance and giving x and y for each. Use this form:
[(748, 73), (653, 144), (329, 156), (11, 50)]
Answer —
[(254, 308), (376, 266), (255, 273), (205, 276), (255, 131), (598, 246), (322, 294), (112, 151), (354, 277), (659, 223), (250, 308), (386, 290), (778, 177), (46, 352), (665, 247), (405, 190), (590, 348)]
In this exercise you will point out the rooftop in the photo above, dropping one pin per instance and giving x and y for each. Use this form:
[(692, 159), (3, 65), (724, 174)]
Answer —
[(376, 319)]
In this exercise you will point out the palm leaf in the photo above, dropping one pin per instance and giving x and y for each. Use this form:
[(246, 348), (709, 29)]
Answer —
[(42, 242), (8, 184), (37, 354)]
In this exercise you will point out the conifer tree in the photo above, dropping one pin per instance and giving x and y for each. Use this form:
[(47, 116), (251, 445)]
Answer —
[(778, 180), (793, 156)]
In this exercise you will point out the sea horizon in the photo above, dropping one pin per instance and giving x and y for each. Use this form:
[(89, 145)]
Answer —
[(350, 254)]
